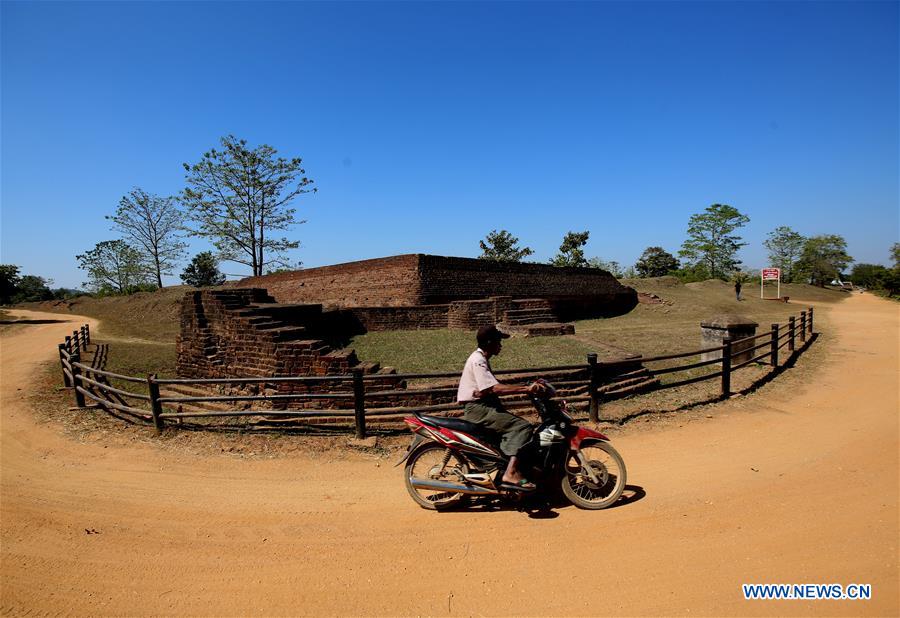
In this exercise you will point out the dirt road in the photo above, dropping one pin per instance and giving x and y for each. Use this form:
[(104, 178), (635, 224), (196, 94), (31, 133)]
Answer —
[(789, 485)]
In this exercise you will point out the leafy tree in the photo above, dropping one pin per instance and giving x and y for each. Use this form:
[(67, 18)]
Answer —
[(710, 240), (691, 272), (823, 259), (890, 282), (502, 247), (237, 197), (655, 262), (785, 246), (895, 254), (203, 271), (15, 288), (32, 288), (868, 275), (571, 251), (114, 267), (65, 293), (152, 225), (9, 281), (611, 266), (284, 268)]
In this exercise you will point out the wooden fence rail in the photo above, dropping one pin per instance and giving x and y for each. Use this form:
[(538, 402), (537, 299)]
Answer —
[(92, 382)]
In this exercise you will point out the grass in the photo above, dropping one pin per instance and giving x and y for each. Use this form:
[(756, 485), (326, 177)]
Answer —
[(647, 329), (446, 350), (670, 328), (151, 316), (141, 329)]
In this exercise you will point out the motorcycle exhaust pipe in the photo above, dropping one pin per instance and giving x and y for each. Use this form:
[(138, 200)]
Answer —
[(454, 487)]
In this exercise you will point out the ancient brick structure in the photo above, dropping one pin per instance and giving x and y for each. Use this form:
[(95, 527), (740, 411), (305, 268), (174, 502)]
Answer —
[(417, 281), (243, 332)]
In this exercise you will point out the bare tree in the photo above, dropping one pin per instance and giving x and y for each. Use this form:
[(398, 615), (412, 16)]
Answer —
[(237, 196), (152, 225)]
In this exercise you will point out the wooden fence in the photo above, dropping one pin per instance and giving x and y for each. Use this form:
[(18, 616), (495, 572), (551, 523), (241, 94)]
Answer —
[(91, 382)]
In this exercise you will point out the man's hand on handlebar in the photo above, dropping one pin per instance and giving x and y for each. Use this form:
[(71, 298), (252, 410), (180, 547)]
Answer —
[(536, 388)]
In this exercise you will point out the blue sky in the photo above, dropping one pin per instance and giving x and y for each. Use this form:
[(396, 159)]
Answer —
[(427, 125)]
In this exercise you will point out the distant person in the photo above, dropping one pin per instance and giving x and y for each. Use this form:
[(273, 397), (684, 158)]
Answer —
[(479, 393), (737, 290)]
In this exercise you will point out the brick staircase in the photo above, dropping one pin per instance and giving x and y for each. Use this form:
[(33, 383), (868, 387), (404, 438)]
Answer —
[(259, 337), (246, 333), (534, 317)]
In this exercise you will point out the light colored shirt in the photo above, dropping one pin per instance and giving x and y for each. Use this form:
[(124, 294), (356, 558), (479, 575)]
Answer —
[(476, 376)]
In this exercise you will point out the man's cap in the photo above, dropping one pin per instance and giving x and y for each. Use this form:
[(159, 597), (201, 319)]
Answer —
[(488, 334)]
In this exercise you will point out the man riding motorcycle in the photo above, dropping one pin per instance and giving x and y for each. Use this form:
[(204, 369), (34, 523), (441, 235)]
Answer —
[(479, 392)]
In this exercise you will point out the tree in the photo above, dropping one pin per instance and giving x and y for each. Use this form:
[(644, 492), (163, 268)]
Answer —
[(114, 267), (502, 247), (868, 275), (9, 282), (571, 251), (710, 240), (785, 246), (895, 254), (15, 288), (203, 271), (655, 262), (823, 259), (66, 293), (237, 197), (152, 225), (32, 288), (611, 266)]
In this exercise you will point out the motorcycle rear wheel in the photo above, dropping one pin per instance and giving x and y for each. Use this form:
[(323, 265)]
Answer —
[(432, 461), (609, 469)]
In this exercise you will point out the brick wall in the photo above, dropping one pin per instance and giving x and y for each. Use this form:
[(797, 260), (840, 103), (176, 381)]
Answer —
[(218, 340), (401, 318), (573, 292), (416, 279), (382, 282)]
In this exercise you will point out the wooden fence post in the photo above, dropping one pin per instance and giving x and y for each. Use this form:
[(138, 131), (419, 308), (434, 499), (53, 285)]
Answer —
[(155, 405), (774, 358), (87, 333), (66, 380), (359, 403), (594, 377), (726, 368), (810, 313), (83, 338), (75, 341), (69, 344), (792, 325), (76, 371), (802, 326)]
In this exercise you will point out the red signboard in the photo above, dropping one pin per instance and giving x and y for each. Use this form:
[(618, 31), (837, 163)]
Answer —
[(771, 274)]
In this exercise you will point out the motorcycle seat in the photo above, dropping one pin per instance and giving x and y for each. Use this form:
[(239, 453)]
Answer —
[(458, 424)]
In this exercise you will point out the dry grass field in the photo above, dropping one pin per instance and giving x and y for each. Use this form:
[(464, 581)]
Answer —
[(141, 328)]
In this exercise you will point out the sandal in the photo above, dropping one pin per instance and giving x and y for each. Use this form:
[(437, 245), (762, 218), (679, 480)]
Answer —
[(521, 485)]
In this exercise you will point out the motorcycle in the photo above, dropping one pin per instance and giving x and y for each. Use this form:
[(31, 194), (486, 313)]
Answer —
[(451, 459)]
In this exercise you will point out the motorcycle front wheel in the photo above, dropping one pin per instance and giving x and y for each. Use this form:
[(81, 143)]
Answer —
[(600, 486), (431, 461)]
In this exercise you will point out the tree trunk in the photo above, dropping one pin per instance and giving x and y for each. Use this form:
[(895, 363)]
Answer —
[(158, 273)]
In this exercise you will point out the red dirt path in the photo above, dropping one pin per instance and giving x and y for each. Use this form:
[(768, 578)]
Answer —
[(785, 486)]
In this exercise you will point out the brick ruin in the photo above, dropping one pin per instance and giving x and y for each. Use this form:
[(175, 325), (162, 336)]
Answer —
[(296, 323), (244, 332), (430, 291)]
